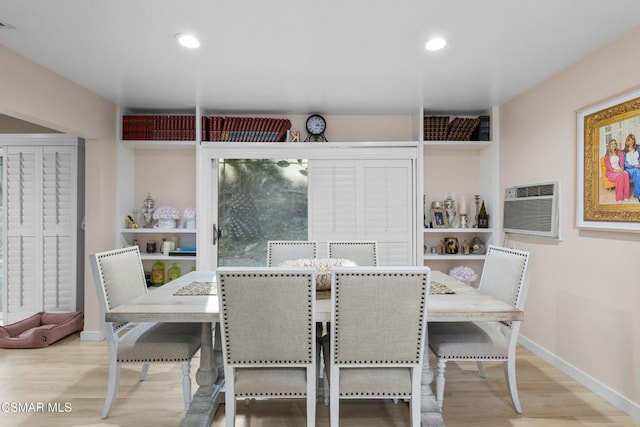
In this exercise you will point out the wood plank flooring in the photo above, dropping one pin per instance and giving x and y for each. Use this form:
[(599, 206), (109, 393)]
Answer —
[(69, 381)]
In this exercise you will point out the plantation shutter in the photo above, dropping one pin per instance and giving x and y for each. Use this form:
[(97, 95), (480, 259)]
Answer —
[(332, 190), (40, 253), (22, 210), (387, 188), (363, 200), (58, 193)]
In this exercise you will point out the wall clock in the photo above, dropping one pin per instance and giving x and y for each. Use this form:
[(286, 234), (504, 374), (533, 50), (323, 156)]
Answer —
[(316, 125)]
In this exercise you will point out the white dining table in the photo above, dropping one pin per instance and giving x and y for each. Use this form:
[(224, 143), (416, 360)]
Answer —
[(161, 305)]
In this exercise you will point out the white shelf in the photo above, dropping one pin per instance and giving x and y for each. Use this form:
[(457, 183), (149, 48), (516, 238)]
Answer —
[(155, 145), (161, 257), (458, 230), (456, 145), (453, 257), (158, 231)]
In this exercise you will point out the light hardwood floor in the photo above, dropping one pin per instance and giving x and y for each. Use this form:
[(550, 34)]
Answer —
[(73, 375)]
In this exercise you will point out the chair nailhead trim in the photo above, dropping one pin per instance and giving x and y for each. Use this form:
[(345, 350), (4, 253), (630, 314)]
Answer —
[(310, 330), (337, 317), (282, 394), (374, 394)]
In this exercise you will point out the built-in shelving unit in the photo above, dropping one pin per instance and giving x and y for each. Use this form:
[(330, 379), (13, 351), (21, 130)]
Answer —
[(168, 170), (460, 169), (164, 168)]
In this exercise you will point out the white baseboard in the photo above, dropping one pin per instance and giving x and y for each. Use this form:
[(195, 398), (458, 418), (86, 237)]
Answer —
[(611, 396), (91, 336)]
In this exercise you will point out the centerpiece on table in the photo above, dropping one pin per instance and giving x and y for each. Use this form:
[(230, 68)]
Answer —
[(463, 273)]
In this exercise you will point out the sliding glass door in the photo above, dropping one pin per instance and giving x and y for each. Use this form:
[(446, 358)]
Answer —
[(258, 200)]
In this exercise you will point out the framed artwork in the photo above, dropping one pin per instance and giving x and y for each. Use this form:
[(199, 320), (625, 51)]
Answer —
[(608, 170), (439, 218)]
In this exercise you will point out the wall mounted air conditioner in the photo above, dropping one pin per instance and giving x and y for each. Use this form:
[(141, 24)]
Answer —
[(532, 209)]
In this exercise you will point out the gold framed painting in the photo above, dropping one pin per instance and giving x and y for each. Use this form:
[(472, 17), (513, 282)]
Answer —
[(608, 165)]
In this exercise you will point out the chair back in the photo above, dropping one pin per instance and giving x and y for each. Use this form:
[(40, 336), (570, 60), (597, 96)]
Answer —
[(267, 316), (283, 250), (118, 276), (503, 275), (379, 315), (363, 253)]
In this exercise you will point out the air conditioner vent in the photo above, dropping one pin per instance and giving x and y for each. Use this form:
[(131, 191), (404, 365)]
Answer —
[(532, 209), (535, 190)]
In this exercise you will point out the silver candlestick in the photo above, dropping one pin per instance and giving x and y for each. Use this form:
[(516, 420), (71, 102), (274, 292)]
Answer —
[(464, 222), (477, 200), (450, 210)]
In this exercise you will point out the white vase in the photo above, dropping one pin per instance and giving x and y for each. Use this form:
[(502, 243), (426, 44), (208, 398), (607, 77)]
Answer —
[(166, 224), (190, 223)]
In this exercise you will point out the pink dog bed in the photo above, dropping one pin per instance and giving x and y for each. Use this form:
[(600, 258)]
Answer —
[(40, 330)]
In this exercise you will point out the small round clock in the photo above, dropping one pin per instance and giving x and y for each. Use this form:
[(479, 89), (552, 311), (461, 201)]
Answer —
[(316, 125)]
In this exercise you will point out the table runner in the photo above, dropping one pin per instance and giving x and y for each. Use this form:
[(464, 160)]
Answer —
[(197, 288)]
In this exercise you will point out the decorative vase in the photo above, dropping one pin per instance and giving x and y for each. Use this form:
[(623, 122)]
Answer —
[(477, 246), (450, 210), (166, 223), (157, 273), (174, 272), (151, 246)]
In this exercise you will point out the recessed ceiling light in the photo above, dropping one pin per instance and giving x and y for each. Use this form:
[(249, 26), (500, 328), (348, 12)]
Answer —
[(188, 40), (435, 43)]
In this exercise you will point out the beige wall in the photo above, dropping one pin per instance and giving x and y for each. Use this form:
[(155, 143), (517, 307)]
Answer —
[(35, 94), (582, 309)]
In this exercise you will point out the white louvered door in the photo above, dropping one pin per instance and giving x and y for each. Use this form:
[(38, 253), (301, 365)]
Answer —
[(387, 216), (364, 200), (40, 203), (58, 225)]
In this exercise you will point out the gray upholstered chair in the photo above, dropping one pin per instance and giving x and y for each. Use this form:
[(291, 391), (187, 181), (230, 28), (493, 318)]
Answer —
[(283, 250), (378, 328), (268, 322), (503, 276), (119, 277), (363, 253)]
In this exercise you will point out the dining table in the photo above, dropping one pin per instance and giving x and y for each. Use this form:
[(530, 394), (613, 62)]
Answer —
[(193, 298)]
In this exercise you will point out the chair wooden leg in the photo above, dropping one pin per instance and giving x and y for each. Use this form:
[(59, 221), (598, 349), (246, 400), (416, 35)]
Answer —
[(512, 386), (311, 397), (481, 369), (186, 384), (415, 402), (442, 364), (229, 402), (318, 352), (334, 397), (143, 373), (325, 396), (112, 388)]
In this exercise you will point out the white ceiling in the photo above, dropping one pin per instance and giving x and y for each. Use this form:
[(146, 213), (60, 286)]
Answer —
[(302, 56)]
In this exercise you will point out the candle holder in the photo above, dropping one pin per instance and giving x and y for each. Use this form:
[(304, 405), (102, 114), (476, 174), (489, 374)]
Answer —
[(464, 222), (477, 200), (462, 212)]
